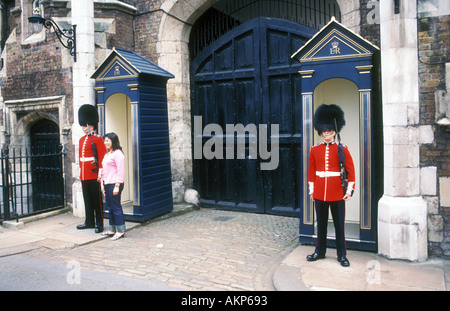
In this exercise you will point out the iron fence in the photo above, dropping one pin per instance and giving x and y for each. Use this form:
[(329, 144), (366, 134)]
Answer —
[(32, 181)]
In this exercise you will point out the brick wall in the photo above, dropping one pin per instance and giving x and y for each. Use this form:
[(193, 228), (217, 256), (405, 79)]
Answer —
[(369, 23), (434, 52), (123, 36), (146, 26), (35, 70)]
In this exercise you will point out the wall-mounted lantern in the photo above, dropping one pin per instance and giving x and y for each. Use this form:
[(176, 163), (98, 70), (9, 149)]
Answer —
[(67, 37)]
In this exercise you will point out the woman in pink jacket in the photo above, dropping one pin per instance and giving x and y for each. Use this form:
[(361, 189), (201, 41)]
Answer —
[(112, 185)]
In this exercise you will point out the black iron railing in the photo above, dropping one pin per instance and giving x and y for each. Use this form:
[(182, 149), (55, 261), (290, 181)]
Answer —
[(32, 182)]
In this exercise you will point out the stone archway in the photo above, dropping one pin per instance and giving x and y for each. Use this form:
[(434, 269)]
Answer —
[(173, 55), (21, 114)]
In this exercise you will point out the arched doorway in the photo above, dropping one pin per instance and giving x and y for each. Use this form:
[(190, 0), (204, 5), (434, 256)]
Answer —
[(46, 165), (344, 93), (223, 16), (248, 78), (118, 120), (189, 15)]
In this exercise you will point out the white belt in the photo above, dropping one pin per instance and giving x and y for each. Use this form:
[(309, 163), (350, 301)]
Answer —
[(83, 159), (328, 174)]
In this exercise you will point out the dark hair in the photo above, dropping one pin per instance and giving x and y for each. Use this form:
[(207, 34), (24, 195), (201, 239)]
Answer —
[(115, 144)]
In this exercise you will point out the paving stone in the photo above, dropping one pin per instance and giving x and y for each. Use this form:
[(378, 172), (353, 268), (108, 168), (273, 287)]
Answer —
[(205, 249)]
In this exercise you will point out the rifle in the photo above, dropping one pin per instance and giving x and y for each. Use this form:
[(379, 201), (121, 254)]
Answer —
[(341, 155), (94, 152)]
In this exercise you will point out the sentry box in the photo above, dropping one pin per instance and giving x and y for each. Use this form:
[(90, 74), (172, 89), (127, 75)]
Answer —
[(132, 102), (340, 67)]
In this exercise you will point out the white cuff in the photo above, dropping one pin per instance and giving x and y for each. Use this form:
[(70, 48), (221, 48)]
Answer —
[(311, 188), (350, 187)]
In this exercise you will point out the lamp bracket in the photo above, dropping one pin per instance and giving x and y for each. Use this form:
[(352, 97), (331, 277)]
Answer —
[(67, 35)]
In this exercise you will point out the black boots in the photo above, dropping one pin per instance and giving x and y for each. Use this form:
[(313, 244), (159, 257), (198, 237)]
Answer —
[(316, 256), (84, 226), (344, 261)]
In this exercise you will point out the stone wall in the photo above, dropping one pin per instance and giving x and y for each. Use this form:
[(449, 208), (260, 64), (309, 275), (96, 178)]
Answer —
[(146, 27), (36, 76), (114, 27), (402, 211), (434, 75), (29, 73)]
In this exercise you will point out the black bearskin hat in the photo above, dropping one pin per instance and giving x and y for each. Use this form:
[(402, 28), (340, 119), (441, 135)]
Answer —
[(87, 114), (326, 115)]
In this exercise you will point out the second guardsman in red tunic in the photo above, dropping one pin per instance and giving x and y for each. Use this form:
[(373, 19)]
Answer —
[(91, 152), (324, 181)]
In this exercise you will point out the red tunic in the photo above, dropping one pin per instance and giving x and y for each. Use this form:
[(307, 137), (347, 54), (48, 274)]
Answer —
[(323, 173), (86, 156)]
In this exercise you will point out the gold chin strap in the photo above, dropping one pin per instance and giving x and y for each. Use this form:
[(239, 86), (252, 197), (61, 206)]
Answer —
[(329, 135)]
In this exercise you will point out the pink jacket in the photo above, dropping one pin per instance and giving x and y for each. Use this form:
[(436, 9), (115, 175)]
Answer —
[(113, 167)]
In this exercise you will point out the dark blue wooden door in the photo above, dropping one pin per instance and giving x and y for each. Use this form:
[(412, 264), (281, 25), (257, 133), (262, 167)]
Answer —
[(247, 77), (46, 164)]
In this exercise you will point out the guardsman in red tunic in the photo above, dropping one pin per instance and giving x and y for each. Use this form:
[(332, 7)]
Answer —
[(91, 152), (324, 181)]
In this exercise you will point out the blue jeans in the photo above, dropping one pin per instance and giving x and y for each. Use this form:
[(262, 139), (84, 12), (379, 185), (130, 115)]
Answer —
[(113, 205)]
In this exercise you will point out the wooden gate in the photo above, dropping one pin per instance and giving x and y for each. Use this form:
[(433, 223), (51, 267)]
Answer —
[(247, 77)]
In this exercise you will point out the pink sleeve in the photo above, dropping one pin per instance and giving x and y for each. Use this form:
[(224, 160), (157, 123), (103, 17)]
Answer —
[(120, 164)]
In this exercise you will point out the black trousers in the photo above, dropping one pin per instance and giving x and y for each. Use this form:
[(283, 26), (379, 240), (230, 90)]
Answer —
[(92, 203), (338, 214)]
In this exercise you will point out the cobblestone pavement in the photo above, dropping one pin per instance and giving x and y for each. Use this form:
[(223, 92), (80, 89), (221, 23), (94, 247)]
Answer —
[(205, 249)]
